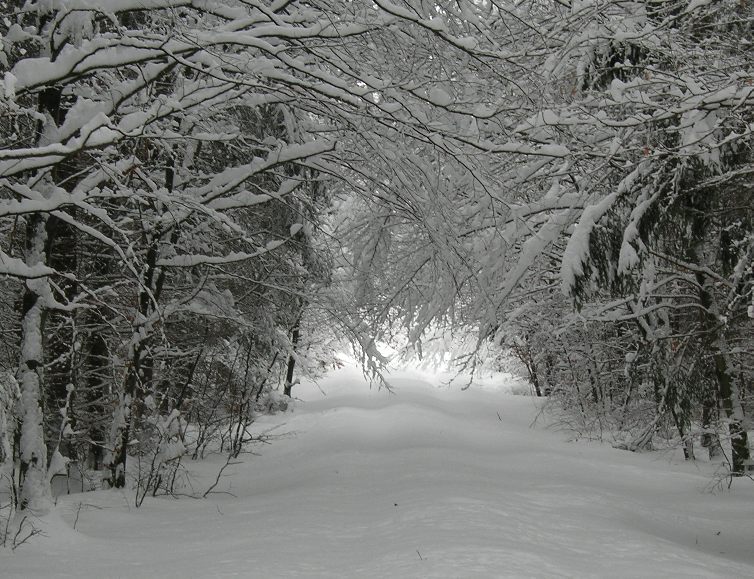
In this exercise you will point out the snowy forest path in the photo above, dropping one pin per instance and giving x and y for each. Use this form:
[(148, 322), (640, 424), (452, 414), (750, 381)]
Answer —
[(426, 482)]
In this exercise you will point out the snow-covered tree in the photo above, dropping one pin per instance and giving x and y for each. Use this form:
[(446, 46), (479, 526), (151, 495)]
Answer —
[(167, 168), (158, 158)]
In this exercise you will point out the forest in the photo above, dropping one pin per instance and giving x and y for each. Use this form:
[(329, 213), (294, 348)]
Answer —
[(201, 200)]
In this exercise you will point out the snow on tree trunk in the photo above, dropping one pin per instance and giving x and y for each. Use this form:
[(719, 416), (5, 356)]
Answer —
[(295, 335), (116, 457), (730, 395), (35, 489)]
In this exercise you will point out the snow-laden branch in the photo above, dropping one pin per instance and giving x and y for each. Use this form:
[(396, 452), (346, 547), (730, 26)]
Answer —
[(15, 267)]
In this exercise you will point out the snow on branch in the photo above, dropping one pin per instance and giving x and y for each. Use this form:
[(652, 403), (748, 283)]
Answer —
[(14, 267)]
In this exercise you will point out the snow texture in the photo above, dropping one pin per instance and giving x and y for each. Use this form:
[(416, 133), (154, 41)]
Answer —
[(428, 482)]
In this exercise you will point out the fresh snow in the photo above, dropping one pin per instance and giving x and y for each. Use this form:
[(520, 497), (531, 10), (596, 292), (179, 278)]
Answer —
[(430, 481)]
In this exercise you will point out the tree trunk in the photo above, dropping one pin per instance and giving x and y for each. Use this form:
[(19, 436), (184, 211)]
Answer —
[(295, 333), (710, 436), (531, 367), (714, 331), (730, 395), (61, 369), (728, 387), (97, 361), (35, 489), (138, 377)]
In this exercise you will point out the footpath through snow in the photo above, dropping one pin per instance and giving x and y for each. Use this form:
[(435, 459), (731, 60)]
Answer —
[(427, 482)]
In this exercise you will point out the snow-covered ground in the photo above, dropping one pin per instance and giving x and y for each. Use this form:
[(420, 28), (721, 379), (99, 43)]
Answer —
[(426, 482)]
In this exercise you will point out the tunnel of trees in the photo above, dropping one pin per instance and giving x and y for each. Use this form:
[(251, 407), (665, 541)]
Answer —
[(199, 200)]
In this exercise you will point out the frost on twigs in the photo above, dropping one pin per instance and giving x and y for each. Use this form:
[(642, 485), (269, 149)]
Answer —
[(159, 453)]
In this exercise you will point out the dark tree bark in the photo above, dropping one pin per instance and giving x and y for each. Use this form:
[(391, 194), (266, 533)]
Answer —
[(295, 335)]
